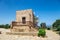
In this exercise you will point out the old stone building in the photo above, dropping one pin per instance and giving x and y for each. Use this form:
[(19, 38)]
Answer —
[(24, 21)]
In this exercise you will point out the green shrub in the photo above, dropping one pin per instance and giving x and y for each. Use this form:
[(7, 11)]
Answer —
[(41, 32), (48, 28)]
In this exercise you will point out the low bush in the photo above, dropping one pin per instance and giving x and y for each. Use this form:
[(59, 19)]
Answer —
[(48, 28), (41, 32)]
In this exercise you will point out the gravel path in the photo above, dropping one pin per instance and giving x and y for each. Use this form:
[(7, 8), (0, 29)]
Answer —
[(50, 36)]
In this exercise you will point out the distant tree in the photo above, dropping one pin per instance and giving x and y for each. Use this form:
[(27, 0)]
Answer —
[(35, 20), (58, 28), (5, 26), (56, 24), (43, 25), (2, 26)]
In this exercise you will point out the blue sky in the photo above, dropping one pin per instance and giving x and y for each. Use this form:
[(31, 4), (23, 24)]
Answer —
[(46, 10)]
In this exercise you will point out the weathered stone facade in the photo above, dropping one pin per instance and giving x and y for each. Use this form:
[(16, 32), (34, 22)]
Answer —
[(24, 13), (24, 21)]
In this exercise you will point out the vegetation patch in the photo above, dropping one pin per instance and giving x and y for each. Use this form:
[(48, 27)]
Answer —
[(48, 28), (6, 26), (56, 26), (41, 32)]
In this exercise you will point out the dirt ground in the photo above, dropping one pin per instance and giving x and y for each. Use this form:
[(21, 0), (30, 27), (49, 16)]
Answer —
[(50, 35)]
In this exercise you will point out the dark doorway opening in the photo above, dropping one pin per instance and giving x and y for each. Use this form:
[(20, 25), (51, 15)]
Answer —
[(23, 20)]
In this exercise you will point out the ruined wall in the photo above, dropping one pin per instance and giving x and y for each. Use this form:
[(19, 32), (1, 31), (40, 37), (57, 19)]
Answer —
[(21, 29)]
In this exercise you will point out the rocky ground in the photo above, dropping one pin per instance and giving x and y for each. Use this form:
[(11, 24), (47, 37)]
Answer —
[(50, 35)]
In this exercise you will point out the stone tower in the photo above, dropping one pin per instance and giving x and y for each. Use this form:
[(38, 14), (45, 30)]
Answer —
[(24, 21)]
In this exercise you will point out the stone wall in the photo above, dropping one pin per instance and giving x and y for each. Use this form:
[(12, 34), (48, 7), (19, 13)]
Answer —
[(23, 33), (24, 13), (20, 29)]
